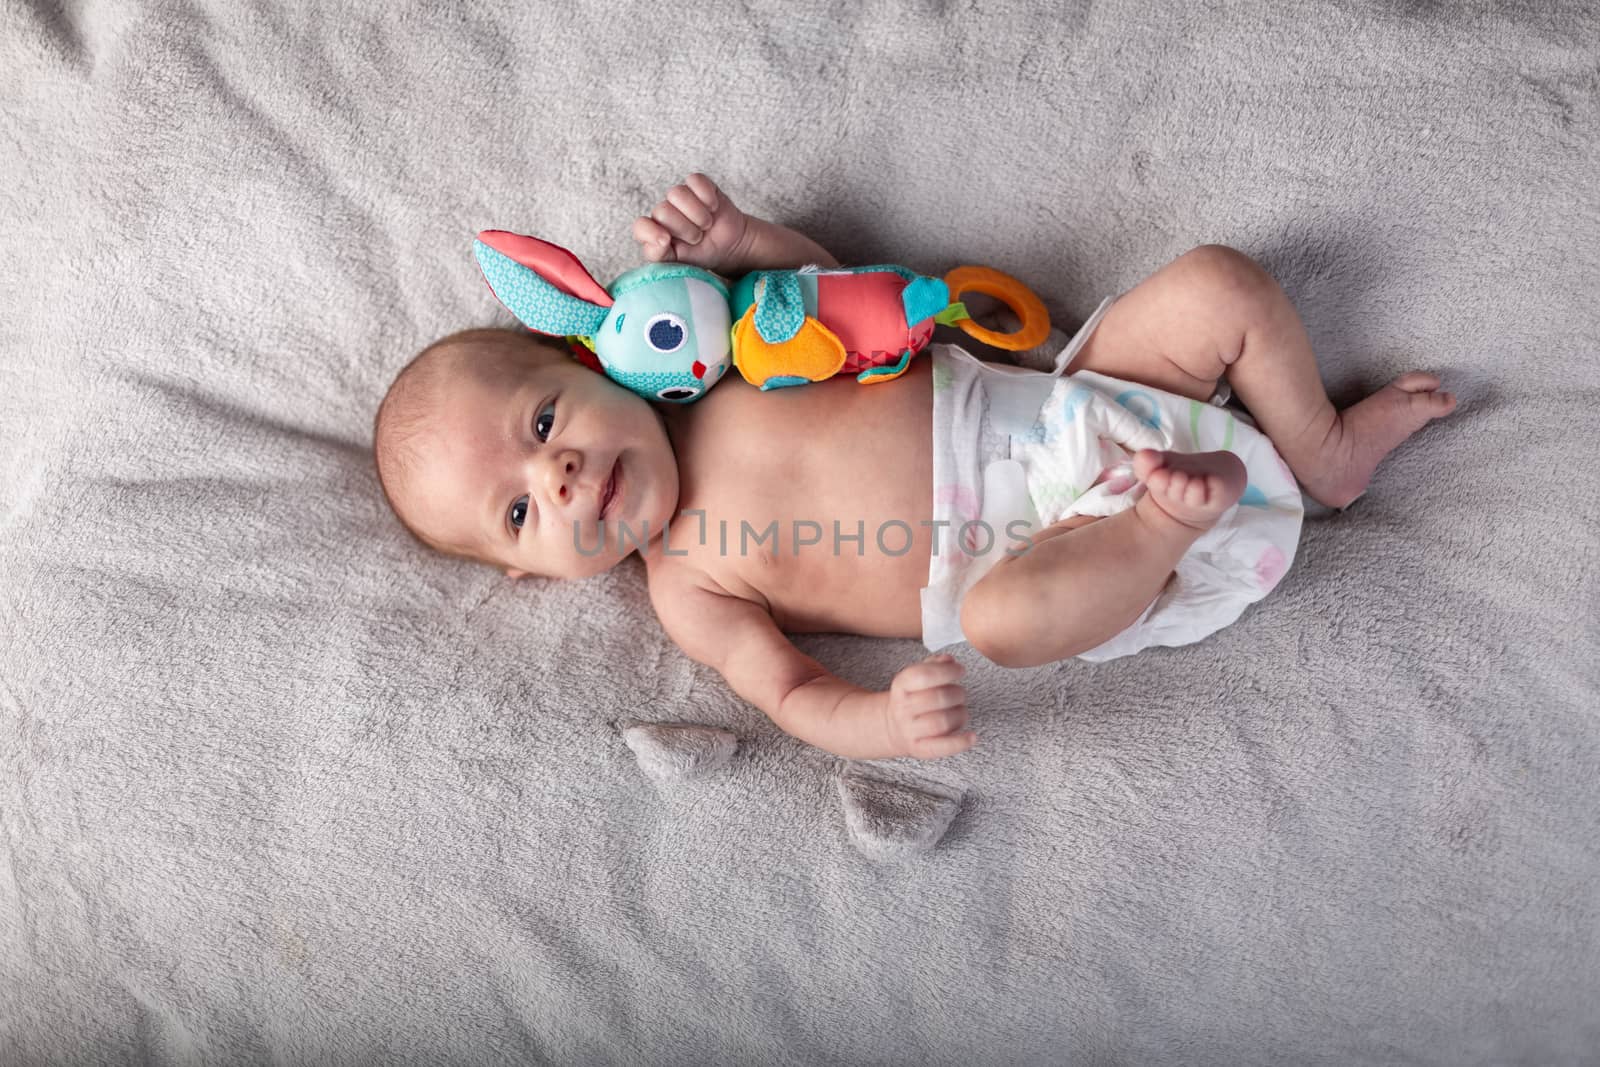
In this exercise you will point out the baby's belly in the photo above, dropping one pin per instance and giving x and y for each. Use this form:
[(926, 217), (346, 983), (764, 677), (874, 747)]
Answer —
[(877, 593), (826, 495)]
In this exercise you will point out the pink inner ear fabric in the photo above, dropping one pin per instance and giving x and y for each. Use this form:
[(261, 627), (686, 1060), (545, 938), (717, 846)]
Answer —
[(551, 262)]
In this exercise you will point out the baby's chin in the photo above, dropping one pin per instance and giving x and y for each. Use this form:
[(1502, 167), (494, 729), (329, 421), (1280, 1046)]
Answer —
[(624, 538), (589, 566)]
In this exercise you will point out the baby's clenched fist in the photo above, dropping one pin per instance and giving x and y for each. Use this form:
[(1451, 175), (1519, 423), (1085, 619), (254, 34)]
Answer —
[(926, 710), (694, 223)]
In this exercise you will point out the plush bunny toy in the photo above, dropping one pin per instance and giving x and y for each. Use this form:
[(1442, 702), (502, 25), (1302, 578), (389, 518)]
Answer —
[(667, 331), (662, 330)]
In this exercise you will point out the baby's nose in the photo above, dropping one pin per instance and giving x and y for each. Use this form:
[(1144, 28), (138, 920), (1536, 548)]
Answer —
[(563, 471)]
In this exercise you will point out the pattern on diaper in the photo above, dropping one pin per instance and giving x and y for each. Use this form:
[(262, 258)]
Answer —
[(1071, 400), (1142, 405), (1051, 497), (1270, 567), (963, 507), (1254, 498), (1196, 410), (963, 499), (1059, 412)]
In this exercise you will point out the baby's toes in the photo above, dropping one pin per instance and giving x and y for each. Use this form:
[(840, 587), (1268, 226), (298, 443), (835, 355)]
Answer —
[(1146, 461), (1421, 405), (1198, 493), (1417, 382), (1437, 403)]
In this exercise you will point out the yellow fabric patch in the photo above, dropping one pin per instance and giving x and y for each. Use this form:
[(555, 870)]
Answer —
[(876, 378), (888, 372), (814, 353)]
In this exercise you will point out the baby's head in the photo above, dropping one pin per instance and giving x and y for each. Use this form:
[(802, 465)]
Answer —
[(497, 446)]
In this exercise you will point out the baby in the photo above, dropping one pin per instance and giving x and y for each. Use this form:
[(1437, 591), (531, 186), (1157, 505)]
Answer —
[(1082, 513)]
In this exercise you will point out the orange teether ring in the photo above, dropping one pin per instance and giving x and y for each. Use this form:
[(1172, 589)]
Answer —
[(1035, 328)]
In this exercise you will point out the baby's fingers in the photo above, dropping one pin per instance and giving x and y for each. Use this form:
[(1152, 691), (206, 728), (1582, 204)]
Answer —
[(947, 745), (676, 223), (705, 190), (654, 242), (940, 722), (921, 701), (933, 671), (684, 199)]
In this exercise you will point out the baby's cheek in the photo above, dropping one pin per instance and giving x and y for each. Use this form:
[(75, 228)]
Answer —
[(585, 559)]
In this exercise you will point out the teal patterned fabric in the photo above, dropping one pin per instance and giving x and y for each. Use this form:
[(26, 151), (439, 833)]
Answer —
[(780, 307), (656, 272), (651, 384), (535, 302), (885, 268)]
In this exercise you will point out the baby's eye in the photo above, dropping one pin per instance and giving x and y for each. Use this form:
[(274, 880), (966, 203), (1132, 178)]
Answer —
[(545, 422), (519, 512), (665, 332)]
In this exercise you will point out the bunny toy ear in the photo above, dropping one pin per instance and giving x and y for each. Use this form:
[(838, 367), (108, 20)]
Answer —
[(542, 284)]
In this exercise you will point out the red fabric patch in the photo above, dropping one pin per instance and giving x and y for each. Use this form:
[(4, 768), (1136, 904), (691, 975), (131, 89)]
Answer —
[(864, 311), (582, 354), (698, 369)]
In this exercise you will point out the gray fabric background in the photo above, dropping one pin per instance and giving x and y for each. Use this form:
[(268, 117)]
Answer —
[(275, 786)]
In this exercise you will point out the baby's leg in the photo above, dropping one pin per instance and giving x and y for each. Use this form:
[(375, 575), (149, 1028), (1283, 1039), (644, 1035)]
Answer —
[(1215, 311), (1084, 581)]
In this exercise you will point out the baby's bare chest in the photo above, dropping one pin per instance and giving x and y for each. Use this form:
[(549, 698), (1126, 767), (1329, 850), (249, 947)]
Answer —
[(813, 499)]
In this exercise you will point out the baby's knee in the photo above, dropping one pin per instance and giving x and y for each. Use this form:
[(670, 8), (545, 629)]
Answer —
[(1229, 278), (1235, 291), (993, 622)]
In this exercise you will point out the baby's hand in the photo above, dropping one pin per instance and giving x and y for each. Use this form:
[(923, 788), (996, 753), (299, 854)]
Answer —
[(927, 709), (695, 224)]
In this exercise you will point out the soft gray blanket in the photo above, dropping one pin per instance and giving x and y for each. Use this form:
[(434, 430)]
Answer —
[(277, 786)]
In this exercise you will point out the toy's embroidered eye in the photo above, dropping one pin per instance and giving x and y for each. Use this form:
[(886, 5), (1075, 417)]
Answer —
[(677, 392), (519, 513), (619, 321), (666, 333), (545, 422)]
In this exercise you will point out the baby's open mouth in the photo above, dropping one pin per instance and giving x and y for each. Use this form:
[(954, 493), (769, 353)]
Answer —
[(608, 492)]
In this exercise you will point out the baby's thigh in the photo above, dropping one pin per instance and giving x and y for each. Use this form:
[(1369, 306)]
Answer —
[(1179, 328)]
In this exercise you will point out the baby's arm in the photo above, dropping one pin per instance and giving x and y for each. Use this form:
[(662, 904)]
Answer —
[(696, 223), (923, 714)]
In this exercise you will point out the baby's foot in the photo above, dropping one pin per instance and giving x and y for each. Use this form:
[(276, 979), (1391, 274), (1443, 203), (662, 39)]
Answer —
[(1194, 487), (1368, 431)]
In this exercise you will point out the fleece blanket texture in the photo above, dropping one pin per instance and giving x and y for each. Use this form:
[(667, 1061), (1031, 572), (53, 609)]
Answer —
[(279, 786)]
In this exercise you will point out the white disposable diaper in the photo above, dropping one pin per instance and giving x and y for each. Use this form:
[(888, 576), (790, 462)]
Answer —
[(1016, 450)]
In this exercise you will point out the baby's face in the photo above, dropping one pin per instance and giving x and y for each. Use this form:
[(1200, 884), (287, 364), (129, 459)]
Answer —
[(526, 457)]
